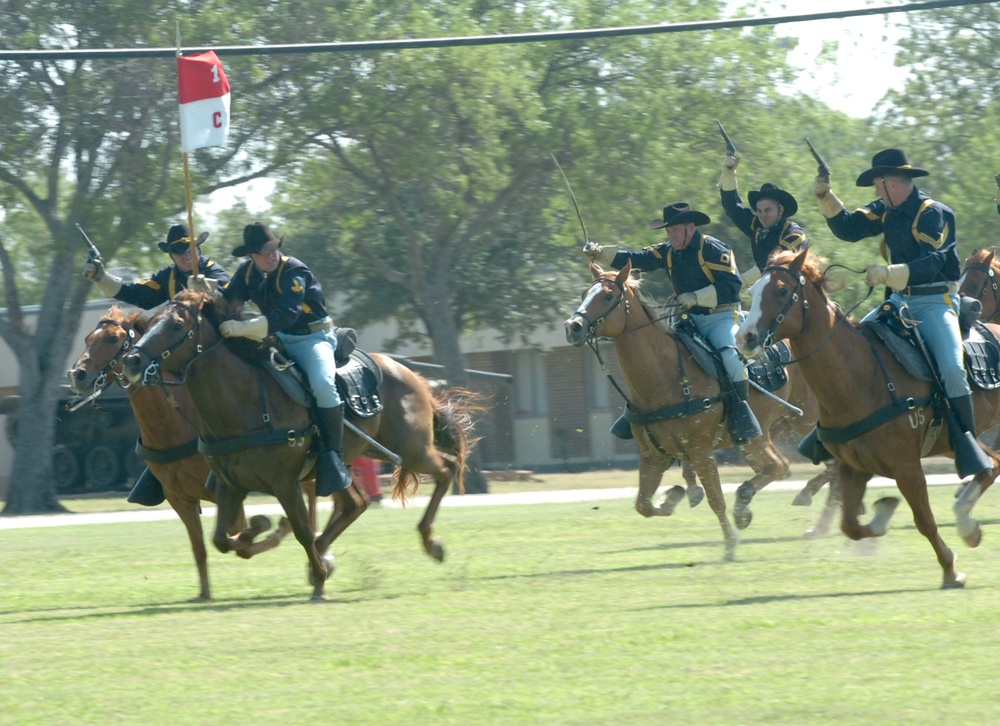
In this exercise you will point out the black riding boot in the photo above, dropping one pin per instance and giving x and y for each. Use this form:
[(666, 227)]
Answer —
[(812, 448), (332, 475), (743, 424), (147, 490), (970, 458), (622, 429)]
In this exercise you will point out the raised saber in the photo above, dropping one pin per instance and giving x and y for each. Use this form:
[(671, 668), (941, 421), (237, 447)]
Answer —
[(572, 196)]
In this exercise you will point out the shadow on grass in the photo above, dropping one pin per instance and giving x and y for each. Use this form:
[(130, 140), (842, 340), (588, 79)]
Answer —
[(185, 606), (789, 598)]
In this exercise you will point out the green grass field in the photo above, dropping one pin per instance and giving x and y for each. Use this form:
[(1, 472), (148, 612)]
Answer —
[(557, 614)]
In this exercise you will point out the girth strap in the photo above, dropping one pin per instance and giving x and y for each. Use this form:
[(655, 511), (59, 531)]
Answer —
[(166, 456), (250, 441)]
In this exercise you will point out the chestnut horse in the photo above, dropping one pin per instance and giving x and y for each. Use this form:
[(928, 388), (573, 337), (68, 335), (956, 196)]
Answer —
[(981, 281), (661, 373), (236, 399), (856, 377), (164, 427)]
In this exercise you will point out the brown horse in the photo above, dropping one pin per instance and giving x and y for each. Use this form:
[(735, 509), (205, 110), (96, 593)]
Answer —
[(855, 378), (661, 374), (236, 399), (981, 281), (164, 427)]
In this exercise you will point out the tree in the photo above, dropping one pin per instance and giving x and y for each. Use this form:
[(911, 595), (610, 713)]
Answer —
[(95, 142)]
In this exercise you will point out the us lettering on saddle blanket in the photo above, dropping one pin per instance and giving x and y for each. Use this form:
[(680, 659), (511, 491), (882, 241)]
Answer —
[(875, 415)]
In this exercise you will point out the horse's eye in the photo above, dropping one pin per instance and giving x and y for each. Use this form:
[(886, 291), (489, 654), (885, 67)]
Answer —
[(783, 292), (609, 296)]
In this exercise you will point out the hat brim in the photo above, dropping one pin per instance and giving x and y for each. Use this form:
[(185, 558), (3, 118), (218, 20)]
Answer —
[(164, 247), (782, 197), (246, 251), (867, 179), (699, 218)]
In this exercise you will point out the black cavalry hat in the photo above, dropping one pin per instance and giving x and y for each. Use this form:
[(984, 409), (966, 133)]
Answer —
[(889, 161), (257, 238), (679, 213), (177, 233), (770, 191)]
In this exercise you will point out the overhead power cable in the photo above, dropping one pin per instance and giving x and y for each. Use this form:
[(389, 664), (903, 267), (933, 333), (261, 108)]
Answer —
[(478, 40)]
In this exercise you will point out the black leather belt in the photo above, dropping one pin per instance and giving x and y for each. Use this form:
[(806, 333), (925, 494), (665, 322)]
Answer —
[(936, 289)]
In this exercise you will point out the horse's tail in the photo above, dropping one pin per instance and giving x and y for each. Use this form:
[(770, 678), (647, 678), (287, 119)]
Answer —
[(453, 436)]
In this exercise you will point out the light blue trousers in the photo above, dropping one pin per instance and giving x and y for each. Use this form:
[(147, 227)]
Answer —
[(720, 330), (313, 353), (938, 317)]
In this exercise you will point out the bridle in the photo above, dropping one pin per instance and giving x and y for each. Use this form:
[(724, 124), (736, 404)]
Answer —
[(151, 374), (103, 379), (592, 324), (990, 280), (800, 281)]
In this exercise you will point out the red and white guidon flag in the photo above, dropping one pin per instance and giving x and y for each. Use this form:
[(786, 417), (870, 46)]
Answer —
[(203, 93)]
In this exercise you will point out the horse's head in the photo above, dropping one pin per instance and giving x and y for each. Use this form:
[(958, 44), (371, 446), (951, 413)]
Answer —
[(979, 281), (778, 303), (105, 348), (175, 335), (605, 307)]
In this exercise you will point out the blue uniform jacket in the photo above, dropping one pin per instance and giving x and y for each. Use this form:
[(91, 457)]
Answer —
[(166, 283), (290, 297), (927, 246), (785, 233), (705, 261)]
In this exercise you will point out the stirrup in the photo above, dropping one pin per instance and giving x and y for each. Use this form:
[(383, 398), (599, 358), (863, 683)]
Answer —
[(147, 491), (622, 429)]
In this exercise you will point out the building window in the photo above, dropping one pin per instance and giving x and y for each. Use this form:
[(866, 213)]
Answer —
[(530, 392)]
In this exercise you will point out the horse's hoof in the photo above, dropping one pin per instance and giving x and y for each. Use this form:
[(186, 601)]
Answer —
[(695, 495), (956, 583), (318, 597), (742, 518), (814, 533), (259, 523), (884, 509), (974, 537), (437, 551), (674, 496), (803, 499), (331, 564), (729, 557)]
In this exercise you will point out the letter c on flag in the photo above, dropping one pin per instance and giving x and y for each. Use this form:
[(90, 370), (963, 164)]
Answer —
[(217, 119)]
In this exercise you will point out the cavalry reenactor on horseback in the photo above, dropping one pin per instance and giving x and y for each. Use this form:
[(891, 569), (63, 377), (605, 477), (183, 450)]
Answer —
[(707, 286), (293, 309), (146, 294), (924, 266), (767, 221)]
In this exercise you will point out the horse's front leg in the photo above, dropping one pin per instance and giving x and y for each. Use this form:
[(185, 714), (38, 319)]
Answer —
[(290, 496), (187, 510), (768, 464), (651, 469), (967, 525), (695, 492), (811, 489), (348, 505), (852, 492), (703, 461)]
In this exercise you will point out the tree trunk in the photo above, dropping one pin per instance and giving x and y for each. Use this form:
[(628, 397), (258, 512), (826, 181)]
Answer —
[(32, 489), (444, 336)]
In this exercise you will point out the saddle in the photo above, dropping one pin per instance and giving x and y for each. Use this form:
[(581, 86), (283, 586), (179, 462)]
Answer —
[(894, 326), (767, 371), (358, 376)]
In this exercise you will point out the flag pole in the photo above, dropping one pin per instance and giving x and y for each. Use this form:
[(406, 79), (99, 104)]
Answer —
[(195, 258)]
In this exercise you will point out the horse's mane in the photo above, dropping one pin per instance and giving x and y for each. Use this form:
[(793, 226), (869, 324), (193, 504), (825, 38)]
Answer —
[(811, 268), (652, 308), (137, 320)]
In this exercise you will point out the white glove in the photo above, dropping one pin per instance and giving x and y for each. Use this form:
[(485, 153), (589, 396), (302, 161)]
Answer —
[(727, 180), (876, 275), (750, 275), (254, 328), (605, 254), (687, 300), (200, 283), (107, 283), (829, 205)]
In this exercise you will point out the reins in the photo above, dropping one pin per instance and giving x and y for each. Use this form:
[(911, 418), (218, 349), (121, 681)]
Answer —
[(800, 281), (151, 374)]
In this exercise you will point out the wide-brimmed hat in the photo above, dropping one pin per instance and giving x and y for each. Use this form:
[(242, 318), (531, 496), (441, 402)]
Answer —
[(679, 213), (257, 238), (178, 239), (770, 191), (889, 161)]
